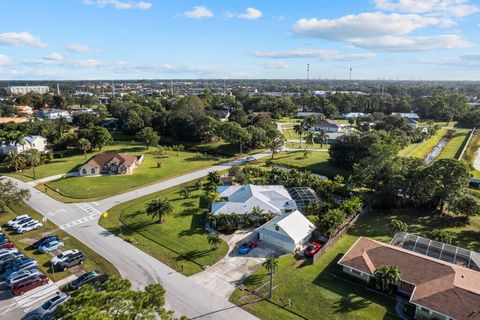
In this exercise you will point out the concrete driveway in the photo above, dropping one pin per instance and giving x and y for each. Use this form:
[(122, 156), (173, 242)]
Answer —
[(229, 272)]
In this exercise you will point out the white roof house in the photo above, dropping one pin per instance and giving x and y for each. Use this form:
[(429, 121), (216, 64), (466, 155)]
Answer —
[(31, 142), (290, 231), (355, 115), (241, 199), (408, 115)]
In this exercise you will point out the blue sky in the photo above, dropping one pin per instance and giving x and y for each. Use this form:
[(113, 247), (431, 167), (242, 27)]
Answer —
[(162, 39)]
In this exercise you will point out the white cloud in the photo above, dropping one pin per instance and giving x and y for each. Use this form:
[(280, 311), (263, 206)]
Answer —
[(21, 38), (4, 60), (464, 61), (377, 30), (274, 65), (54, 57), (199, 12), (312, 53), (121, 5), (251, 14), (454, 8), (78, 47)]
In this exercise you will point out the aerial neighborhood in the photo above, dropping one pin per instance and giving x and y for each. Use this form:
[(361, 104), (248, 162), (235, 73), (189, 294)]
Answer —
[(224, 161)]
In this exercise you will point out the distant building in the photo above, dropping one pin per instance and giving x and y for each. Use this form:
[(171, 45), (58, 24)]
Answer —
[(32, 142), (412, 123), (408, 115), (355, 115), (304, 114), (26, 89), (221, 114), (53, 114), (24, 109), (110, 163), (13, 119), (328, 126)]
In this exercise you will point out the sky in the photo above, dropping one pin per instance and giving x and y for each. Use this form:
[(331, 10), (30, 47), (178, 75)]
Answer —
[(233, 39)]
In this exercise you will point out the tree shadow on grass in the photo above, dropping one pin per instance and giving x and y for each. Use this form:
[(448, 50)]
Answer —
[(193, 255), (250, 280), (189, 212), (188, 204), (351, 303)]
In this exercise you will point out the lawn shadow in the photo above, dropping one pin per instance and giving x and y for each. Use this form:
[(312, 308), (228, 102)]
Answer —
[(193, 255), (351, 303), (197, 226), (188, 204), (250, 280)]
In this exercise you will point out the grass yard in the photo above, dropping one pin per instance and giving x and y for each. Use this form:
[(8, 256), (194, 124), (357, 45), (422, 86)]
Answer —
[(423, 149), (181, 236), (316, 162), (296, 145), (455, 144), (23, 241), (322, 291), (81, 188)]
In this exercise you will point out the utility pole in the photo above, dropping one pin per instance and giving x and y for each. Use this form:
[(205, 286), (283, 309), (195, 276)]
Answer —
[(350, 76), (58, 89), (113, 89)]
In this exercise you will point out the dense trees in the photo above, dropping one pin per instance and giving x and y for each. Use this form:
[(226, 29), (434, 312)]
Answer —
[(234, 133), (148, 136)]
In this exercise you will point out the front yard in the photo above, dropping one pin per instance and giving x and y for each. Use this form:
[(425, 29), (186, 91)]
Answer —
[(180, 242), (316, 162), (23, 241), (171, 165), (322, 291)]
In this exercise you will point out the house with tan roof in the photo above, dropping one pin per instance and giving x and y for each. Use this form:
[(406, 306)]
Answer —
[(111, 164), (438, 289)]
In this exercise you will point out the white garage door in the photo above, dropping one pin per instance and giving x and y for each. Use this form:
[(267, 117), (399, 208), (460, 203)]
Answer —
[(277, 242)]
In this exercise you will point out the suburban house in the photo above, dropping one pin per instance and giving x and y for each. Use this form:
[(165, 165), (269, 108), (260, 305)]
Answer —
[(408, 115), (53, 114), (110, 163), (289, 231), (221, 114), (241, 199), (13, 119), (305, 114), (32, 142), (355, 115), (439, 285), (412, 123), (328, 126), (24, 110)]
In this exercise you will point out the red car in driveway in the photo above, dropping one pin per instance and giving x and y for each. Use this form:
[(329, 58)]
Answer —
[(312, 248), (6, 245), (21, 287)]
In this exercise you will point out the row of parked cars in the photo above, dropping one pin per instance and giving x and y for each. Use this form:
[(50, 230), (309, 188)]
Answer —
[(23, 223), (22, 275)]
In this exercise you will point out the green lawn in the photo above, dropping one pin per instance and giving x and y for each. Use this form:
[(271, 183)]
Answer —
[(316, 162), (423, 149), (296, 145), (147, 173), (322, 291), (455, 144), (181, 235), (22, 242)]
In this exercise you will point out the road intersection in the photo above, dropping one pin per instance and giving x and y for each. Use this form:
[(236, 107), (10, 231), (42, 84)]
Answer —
[(184, 296)]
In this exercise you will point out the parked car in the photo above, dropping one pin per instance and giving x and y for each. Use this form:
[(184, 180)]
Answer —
[(91, 278), (2, 251), (72, 260), (21, 265), (250, 159), (10, 256), (11, 263), (45, 240), (21, 277), (246, 247), (29, 226), (16, 219), (312, 248), (22, 287), (50, 246), (6, 244), (26, 271), (3, 237), (20, 222), (50, 306), (62, 256)]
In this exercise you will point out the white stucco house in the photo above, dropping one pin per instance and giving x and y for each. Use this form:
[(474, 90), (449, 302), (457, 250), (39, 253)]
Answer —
[(289, 232), (241, 199), (31, 142)]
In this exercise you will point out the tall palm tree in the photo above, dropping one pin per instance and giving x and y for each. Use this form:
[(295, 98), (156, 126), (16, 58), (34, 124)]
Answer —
[(84, 145), (310, 139), (214, 240), (299, 128), (35, 158), (387, 277), (322, 137), (309, 122), (159, 208), (184, 192), (271, 264), (213, 177)]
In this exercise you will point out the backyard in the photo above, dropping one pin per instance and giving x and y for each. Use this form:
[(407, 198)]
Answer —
[(23, 241), (180, 242), (154, 168), (316, 162), (322, 291)]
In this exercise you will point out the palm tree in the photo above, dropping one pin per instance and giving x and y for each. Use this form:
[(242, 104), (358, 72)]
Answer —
[(84, 145), (271, 264), (310, 139), (309, 122), (214, 240), (322, 137), (213, 177), (387, 277), (184, 192), (34, 157), (159, 208), (299, 129), (16, 162)]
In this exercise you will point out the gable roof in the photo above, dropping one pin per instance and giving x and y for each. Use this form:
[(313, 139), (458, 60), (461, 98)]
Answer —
[(294, 224), (103, 158), (328, 123), (243, 198), (446, 288)]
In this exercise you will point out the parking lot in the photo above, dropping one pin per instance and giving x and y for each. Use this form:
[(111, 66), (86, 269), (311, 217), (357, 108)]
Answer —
[(231, 270)]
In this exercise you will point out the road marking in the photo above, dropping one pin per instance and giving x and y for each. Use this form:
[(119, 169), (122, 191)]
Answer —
[(36, 295)]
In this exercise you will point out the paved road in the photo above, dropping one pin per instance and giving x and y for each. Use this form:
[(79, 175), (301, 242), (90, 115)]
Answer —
[(184, 295)]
